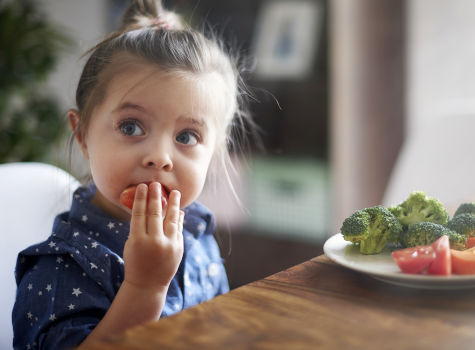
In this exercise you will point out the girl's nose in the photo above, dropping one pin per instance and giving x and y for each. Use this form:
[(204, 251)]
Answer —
[(159, 159)]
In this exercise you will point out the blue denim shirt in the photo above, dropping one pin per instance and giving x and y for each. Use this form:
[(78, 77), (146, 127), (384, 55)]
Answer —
[(68, 282)]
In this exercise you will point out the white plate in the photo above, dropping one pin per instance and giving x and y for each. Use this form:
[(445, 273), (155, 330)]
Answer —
[(383, 267)]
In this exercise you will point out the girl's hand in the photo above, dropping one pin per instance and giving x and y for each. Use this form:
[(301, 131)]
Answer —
[(154, 248)]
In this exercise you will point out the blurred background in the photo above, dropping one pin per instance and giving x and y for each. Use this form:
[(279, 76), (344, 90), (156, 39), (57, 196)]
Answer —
[(342, 89)]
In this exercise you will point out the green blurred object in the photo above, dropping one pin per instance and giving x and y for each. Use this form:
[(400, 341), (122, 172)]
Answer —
[(30, 118)]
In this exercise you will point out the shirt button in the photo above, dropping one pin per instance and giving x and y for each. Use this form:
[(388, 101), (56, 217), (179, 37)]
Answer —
[(213, 269)]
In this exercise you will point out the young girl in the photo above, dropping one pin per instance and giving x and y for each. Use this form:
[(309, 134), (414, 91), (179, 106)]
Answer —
[(155, 107)]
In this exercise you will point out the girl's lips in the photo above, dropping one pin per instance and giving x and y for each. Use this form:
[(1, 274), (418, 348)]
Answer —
[(128, 195)]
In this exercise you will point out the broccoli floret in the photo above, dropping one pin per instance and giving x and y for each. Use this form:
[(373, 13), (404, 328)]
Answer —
[(463, 224), (372, 228), (424, 233), (465, 208), (418, 207)]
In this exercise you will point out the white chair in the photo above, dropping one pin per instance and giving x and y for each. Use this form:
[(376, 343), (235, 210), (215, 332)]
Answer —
[(31, 195), (438, 158)]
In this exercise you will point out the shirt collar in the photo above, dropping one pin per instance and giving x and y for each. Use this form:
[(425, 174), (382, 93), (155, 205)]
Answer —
[(94, 221)]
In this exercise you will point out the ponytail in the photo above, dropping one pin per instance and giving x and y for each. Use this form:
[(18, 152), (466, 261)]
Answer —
[(149, 13)]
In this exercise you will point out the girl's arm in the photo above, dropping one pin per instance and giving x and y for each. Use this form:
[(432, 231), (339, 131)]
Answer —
[(152, 255)]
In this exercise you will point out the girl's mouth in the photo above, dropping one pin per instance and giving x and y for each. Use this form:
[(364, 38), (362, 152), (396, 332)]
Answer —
[(128, 195)]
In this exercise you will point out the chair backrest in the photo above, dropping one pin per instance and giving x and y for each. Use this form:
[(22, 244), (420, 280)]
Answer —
[(437, 158), (32, 194)]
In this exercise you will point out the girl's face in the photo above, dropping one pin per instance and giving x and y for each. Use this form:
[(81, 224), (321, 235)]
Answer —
[(151, 126)]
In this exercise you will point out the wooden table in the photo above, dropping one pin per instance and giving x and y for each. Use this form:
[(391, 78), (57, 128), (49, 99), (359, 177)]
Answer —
[(315, 305)]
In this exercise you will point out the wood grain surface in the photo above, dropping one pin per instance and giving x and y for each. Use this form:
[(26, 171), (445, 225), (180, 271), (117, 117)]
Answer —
[(315, 305)]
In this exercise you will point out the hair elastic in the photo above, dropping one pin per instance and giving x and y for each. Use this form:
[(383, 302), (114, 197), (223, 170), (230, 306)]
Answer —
[(161, 23)]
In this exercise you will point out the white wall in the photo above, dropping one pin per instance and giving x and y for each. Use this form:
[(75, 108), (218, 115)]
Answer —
[(441, 59), (85, 21), (440, 103)]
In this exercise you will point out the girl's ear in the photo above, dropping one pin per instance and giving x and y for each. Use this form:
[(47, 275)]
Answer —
[(74, 118)]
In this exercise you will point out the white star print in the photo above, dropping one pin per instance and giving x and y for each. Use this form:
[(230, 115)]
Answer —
[(93, 266), (75, 234), (71, 306), (52, 244), (29, 315), (76, 291), (59, 260), (213, 270), (48, 287), (52, 317), (94, 244), (30, 286), (40, 293), (111, 225), (187, 280), (84, 218)]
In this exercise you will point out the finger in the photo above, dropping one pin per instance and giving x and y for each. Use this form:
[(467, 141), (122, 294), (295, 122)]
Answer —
[(170, 225), (181, 219), (137, 222), (154, 210)]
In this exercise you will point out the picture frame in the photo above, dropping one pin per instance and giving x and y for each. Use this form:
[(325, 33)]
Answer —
[(286, 38)]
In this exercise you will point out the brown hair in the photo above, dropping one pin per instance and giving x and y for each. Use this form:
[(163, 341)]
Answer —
[(159, 37)]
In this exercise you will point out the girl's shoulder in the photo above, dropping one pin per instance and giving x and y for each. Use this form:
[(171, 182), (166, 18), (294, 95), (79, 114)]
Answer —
[(199, 220)]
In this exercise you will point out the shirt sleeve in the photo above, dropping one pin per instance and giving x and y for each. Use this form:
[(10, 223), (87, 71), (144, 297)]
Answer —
[(57, 303)]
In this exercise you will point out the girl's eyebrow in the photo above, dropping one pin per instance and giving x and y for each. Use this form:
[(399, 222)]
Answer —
[(199, 122), (129, 105)]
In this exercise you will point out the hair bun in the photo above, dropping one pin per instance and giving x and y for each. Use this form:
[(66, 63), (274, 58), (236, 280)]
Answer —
[(149, 13)]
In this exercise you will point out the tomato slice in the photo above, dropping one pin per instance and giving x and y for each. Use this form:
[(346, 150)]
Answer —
[(128, 195), (414, 259), (463, 261), (442, 264)]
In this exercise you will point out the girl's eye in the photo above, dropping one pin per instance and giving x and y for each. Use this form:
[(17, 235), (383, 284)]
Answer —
[(188, 138), (131, 128)]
